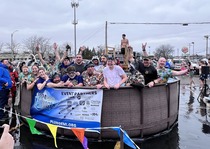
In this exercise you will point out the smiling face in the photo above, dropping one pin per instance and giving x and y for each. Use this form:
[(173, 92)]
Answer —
[(56, 79), (25, 70), (162, 62), (35, 70), (71, 74), (111, 63), (146, 62), (79, 59), (42, 73)]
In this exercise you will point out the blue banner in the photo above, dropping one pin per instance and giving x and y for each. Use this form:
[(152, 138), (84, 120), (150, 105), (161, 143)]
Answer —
[(80, 108)]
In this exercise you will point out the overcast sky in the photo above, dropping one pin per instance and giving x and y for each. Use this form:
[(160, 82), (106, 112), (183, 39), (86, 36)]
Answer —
[(53, 19)]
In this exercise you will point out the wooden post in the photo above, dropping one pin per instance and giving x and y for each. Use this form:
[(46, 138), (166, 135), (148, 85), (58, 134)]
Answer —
[(121, 140)]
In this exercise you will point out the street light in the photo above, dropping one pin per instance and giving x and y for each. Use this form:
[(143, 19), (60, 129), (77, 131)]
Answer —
[(74, 5), (207, 38), (12, 44), (193, 48), (189, 48)]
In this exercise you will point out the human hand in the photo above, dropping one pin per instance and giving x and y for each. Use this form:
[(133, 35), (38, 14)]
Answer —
[(107, 86), (60, 84), (6, 84), (151, 84), (46, 77), (82, 48), (6, 141), (144, 46), (98, 86), (68, 47), (70, 84), (117, 86)]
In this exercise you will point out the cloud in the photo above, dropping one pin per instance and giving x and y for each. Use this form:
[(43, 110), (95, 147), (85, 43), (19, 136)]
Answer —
[(53, 19)]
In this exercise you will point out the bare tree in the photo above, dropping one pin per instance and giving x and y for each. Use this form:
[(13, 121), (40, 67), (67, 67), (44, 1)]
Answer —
[(33, 41), (164, 51), (13, 47)]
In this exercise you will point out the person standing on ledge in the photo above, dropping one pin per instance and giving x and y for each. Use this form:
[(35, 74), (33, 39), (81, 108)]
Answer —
[(124, 44)]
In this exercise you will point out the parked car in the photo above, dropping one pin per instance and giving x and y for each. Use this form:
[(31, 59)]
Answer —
[(178, 63)]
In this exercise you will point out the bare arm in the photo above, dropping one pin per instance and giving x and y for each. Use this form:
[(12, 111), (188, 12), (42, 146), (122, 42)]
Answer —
[(40, 86), (31, 85), (106, 84), (55, 46), (124, 79), (51, 84), (64, 55), (178, 73), (40, 55), (144, 49)]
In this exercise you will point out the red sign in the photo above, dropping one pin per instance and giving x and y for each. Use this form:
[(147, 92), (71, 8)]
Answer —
[(185, 49)]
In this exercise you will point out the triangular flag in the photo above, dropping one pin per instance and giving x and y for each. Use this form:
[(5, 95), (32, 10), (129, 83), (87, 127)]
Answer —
[(32, 124), (85, 143), (126, 139), (79, 132), (53, 129)]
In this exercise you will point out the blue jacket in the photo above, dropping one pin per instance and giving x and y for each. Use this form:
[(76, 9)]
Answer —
[(5, 77)]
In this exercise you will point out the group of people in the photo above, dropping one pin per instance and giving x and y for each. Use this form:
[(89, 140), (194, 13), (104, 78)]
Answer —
[(103, 72)]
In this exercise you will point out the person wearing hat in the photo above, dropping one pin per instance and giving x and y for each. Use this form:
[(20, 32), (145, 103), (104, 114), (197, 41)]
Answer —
[(92, 77), (114, 76), (55, 81), (71, 79), (95, 61), (148, 71), (63, 66)]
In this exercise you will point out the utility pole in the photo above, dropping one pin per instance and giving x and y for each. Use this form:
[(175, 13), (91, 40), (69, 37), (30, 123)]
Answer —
[(12, 45), (207, 38), (106, 46), (74, 5)]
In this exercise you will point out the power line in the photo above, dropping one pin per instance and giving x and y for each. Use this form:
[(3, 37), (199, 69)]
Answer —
[(161, 23)]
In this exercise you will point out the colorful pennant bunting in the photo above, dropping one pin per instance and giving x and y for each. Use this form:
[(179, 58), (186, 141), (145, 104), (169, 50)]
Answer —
[(32, 124), (53, 129)]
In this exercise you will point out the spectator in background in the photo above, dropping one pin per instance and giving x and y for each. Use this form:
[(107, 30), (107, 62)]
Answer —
[(191, 75), (114, 76), (5, 85), (14, 78), (202, 76)]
